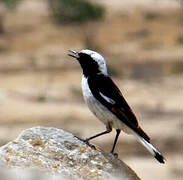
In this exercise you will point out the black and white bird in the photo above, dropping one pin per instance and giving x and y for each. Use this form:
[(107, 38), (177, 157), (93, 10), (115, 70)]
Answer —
[(107, 103)]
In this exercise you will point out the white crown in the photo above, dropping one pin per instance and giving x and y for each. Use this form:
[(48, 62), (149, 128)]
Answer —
[(98, 58)]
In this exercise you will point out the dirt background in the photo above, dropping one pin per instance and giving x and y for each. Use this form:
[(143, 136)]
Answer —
[(142, 42)]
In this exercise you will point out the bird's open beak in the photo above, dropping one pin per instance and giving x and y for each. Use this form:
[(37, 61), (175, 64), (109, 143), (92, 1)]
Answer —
[(74, 54)]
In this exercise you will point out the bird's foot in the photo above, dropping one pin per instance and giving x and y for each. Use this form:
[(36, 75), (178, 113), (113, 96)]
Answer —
[(115, 154), (86, 141), (79, 138), (91, 145)]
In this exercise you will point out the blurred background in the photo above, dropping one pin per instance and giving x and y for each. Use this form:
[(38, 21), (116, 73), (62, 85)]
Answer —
[(142, 42)]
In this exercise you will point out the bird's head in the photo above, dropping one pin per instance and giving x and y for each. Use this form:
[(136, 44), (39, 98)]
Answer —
[(90, 61)]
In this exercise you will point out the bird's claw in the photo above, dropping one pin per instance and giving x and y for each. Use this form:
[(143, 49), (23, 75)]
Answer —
[(86, 141), (115, 154), (91, 145)]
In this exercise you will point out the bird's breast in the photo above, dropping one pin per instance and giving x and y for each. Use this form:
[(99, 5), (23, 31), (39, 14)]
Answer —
[(99, 110)]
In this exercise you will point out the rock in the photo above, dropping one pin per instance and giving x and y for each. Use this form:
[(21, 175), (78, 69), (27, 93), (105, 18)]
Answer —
[(26, 174), (57, 152)]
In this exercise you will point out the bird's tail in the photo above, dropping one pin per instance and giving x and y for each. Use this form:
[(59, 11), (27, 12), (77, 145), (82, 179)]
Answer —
[(151, 148)]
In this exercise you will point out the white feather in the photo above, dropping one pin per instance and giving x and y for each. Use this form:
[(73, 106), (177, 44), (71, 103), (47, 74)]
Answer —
[(100, 111), (147, 145), (98, 58), (109, 100)]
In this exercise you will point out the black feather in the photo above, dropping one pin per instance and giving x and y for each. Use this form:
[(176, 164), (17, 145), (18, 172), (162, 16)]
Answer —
[(159, 157), (100, 83)]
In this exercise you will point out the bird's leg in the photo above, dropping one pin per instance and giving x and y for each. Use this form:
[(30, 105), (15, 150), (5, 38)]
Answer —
[(108, 130), (115, 141)]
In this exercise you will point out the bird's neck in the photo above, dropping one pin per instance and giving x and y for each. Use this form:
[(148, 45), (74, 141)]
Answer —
[(90, 72)]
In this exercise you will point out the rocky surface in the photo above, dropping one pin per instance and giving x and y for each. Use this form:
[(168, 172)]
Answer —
[(27, 174), (59, 153)]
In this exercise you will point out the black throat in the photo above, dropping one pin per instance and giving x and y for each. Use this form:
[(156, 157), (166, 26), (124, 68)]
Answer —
[(89, 66)]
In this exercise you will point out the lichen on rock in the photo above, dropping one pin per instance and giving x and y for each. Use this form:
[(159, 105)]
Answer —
[(58, 152)]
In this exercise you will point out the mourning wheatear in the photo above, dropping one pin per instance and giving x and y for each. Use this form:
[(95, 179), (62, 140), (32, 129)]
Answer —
[(107, 103)]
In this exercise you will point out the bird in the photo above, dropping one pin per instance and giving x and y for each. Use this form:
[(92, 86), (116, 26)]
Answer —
[(106, 102)]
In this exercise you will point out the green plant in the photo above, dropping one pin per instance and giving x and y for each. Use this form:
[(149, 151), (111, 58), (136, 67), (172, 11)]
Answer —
[(9, 4), (150, 16), (180, 39), (75, 11), (177, 67)]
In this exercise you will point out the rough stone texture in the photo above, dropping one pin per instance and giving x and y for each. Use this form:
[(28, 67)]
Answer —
[(27, 174), (58, 152)]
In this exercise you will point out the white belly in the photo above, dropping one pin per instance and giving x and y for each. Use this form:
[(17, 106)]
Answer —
[(100, 111)]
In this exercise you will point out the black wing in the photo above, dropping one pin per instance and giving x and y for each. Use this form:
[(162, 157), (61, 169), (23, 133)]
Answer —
[(105, 91)]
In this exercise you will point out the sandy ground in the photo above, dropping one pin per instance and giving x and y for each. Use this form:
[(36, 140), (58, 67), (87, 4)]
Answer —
[(40, 85)]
